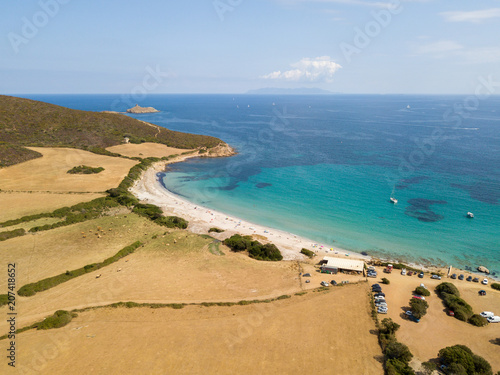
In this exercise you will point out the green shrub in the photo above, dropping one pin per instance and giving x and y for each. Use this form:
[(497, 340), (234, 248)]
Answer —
[(50, 282), (418, 307), (308, 253), (460, 358), (385, 281), (58, 320), (399, 351), (255, 249), (4, 236), (478, 321), (84, 169), (421, 291), (397, 367), (447, 288), (495, 286), (388, 326), (172, 222), (216, 230)]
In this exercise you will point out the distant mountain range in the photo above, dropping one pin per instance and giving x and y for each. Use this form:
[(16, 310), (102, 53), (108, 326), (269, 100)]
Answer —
[(282, 91)]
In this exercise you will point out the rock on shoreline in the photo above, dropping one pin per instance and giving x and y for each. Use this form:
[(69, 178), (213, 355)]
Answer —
[(139, 109)]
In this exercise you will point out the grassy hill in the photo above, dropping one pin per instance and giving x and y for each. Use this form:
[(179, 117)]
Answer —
[(25, 122)]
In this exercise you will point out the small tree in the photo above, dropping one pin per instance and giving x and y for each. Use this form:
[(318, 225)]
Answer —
[(388, 326), (399, 351), (418, 307), (421, 291), (385, 281)]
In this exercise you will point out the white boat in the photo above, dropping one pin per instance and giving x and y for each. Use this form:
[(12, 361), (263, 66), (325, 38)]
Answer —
[(470, 215), (393, 200), (408, 106)]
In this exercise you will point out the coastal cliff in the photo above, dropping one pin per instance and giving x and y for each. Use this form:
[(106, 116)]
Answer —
[(138, 109)]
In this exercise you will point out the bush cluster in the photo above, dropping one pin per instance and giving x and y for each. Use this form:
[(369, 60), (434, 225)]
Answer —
[(461, 360), (308, 253), (451, 299), (216, 230), (11, 234), (421, 291), (255, 249), (385, 280), (58, 320), (478, 321), (495, 286), (50, 282), (397, 355), (84, 169), (418, 307)]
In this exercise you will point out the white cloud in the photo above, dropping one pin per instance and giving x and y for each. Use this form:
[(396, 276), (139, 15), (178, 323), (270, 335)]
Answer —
[(475, 16), (311, 70)]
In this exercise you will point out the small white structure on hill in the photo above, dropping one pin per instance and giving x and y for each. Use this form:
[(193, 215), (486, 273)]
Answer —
[(334, 265)]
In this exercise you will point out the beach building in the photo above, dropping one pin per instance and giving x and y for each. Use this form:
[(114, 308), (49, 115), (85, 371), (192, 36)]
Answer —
[(334, 265)]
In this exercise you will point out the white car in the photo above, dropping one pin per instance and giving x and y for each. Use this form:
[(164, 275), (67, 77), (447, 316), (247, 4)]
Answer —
[(403, 272), (324, 283), (487, 314), (484, 282), (436, 277), (494, 319)]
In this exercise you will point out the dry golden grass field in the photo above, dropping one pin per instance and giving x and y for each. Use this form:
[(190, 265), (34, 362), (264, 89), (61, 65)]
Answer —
[(16, 205), (318, 333), (144, 150), (49, 173), (437, 330)]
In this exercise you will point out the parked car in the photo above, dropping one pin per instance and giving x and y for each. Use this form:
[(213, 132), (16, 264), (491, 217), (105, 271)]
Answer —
[(487, 314), (482, 292), (461, 277), (454, 276), (419, 297), (469, 278), (380, 311), (494, 319), (308, 281), (371, 274), (451, 313), (379, 294), (410, 315), (333, 282), (410, 273), (436, 277), (484, 282), (380, 302), (324, 283), (403, 272), (306, 275), (476, 279), (421, 275)]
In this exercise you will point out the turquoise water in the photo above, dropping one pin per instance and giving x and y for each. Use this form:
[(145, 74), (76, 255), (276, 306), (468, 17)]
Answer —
[(324, 167)]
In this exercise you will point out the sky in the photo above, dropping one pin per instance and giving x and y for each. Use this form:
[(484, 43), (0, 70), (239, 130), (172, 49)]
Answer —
[(232, 46)]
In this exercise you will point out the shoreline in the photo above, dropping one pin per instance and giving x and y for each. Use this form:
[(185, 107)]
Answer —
[(150, 190)]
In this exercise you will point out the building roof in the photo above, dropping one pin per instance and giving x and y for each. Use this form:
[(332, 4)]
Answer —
[(344, 263)]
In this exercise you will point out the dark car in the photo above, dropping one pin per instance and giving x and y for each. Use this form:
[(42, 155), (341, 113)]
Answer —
[(380, 294), (306, 275), (410, 273), (333, 282), (454, 276), (476, 280), (421, 275), (377, 290), (461, 277), (482, 292), (469, 278)]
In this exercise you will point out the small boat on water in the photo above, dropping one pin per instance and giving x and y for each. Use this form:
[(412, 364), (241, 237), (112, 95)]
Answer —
[(470, 215), (393, 200), (408, 106)]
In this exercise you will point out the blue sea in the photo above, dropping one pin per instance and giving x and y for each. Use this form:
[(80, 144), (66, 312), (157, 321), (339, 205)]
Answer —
[(324, 167)]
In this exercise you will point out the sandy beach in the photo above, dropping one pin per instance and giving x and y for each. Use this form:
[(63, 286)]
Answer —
[(149, 190)]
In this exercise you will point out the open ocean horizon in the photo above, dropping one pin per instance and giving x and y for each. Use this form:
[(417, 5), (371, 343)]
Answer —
[(324, 167)]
